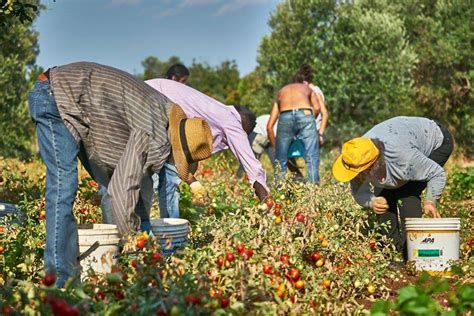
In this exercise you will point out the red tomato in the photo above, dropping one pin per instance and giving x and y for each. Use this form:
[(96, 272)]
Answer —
[(267, 269), (315, 256), (224, 302), (269, 203), (241, 249), (49, 279), (230, 256), (285, 258), (294, 274), (300, 217), (220, 261), (248, 253), (140, 243)]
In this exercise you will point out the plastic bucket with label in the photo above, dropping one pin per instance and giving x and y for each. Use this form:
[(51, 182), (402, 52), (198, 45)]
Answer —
[(105, 255), (172, 233), (433, 243)]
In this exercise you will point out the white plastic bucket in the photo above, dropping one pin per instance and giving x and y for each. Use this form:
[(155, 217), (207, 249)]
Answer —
[(104, 257), (172, 233), (433, 243)]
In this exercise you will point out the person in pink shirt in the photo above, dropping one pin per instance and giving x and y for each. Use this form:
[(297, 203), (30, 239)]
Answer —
[(229, 128)]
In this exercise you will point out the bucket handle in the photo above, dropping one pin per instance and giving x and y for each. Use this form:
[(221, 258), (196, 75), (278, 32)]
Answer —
[(86, 253)]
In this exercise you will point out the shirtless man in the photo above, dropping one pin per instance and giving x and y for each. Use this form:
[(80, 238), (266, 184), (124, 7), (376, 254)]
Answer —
[(295, 109)]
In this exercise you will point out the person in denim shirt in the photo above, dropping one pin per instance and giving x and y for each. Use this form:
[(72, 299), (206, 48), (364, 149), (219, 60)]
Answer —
[(391, 165)]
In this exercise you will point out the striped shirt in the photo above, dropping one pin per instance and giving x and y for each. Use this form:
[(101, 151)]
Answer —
[(122, 124), (224, 121)]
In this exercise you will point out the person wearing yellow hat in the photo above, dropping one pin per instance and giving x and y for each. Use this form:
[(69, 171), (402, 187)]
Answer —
[(399, 158)]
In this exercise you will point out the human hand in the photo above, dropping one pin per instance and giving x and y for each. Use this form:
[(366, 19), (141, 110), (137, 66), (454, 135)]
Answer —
[(260, 191), (200, 196), (379, 205), (430, 209), (321, 140)]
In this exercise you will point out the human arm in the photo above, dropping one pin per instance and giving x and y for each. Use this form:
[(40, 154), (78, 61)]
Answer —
[(424, 169), (361, 192), (238, 143), (364, 196), (324, 118), (271, 123), (315, 103)]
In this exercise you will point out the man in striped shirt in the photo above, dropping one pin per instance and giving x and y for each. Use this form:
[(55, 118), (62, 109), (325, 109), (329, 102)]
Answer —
[(119, 127)]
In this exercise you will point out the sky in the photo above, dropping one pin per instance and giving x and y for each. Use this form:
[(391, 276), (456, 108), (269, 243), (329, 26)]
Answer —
[(122, 33)]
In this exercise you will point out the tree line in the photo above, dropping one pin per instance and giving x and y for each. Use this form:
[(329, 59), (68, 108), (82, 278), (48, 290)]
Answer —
[(374, 59)]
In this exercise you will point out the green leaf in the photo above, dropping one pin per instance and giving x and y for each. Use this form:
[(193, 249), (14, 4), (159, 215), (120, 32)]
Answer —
[(380, 308), (406, 293)]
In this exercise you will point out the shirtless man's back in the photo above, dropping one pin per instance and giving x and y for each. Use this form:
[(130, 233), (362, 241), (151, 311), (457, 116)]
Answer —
[(297, 96)]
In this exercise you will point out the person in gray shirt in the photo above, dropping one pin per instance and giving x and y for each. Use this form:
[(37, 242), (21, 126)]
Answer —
[(394, 162), (120, 127)]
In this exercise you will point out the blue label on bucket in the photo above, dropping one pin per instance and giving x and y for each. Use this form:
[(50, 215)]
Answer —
[(429, 253)]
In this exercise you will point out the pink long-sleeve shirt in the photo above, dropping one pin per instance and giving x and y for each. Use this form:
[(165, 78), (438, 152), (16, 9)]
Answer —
[(224, 121)]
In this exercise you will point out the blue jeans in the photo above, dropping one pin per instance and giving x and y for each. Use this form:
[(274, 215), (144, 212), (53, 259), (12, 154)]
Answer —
[(297, 123), (166, 183), (59, 151)]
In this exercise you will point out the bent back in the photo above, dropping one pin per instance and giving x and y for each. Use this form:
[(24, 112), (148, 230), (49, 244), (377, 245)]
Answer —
[(294, 96)]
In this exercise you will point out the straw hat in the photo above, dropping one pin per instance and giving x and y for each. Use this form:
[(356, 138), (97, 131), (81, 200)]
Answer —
[(191, 141), (357, 155)]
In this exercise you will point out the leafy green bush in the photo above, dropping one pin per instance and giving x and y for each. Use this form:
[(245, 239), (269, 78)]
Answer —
[(418, 299), (460, 184)]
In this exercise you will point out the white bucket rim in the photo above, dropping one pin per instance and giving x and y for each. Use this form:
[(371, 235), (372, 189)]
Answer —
[(97, 226), (433, 220), (166, 222), (428, 229), (101, 241), (417, 225), (100, 236), (98, 230), (432, 223)]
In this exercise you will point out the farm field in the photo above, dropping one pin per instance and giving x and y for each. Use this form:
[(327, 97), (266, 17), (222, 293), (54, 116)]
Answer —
[(310, 250)]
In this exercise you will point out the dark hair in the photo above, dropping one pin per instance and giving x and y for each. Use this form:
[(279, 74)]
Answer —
[(305, 73), (248, 118), (378, 168), (178, 70)]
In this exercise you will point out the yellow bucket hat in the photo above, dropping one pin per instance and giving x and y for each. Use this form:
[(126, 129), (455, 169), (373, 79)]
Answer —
[(357, 155)]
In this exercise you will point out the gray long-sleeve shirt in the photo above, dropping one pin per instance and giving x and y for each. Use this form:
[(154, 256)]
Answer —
[(122, 123), (408, 142)]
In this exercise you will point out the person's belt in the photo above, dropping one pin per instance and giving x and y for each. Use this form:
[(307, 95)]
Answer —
[(296, 110), (44, 76)]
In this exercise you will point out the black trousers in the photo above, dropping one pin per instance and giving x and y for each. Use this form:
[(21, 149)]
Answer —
[(406, 200)]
